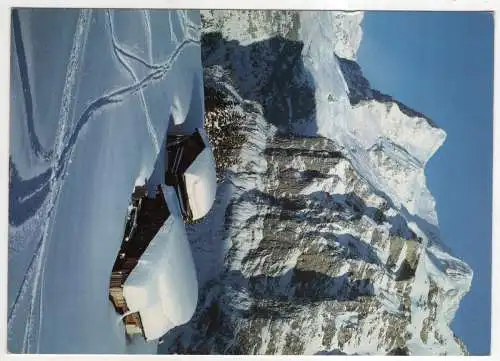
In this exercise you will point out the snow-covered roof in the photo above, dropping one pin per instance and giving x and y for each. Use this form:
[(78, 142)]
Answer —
[(201, 183), (163, 286), (191, 168)]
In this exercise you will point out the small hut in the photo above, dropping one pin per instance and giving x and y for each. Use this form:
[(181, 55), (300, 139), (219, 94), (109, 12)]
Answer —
[(145, 220), (153, 282)]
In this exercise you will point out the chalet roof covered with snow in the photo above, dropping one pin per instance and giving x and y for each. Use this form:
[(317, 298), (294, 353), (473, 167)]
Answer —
[(191, 170), (201, 181), (163, 287)]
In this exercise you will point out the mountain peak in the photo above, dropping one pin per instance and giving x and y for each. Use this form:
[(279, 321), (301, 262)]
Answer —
[(361, 91)]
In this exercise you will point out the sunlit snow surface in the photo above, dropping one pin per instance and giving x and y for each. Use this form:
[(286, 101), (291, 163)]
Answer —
[(93, 92)]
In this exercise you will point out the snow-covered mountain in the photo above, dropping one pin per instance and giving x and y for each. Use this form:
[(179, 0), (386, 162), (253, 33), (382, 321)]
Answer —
[(324, 237)]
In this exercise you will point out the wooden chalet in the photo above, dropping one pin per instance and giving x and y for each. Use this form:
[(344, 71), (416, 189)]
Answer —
[(145, 220)]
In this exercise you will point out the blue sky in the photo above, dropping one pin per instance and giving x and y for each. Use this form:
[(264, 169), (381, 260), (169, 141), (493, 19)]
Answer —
[(441, 64)]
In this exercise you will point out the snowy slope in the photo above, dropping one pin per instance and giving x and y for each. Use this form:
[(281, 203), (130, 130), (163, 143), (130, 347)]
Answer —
[(93, 92), (330, 239)]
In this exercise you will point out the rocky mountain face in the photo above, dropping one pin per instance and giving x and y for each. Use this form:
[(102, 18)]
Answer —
[(306, 251)]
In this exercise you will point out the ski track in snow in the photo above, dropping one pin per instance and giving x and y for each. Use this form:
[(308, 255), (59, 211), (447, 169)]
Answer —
[(118, 96), (76, 54), (64, 148), (188, 23), (126, 65), (149, 35), (36, 146), (130, 53), (24, 285), (28, 196), (35, 270)]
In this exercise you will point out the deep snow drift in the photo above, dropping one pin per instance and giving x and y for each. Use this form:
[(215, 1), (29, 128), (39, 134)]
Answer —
[(93, 93)]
